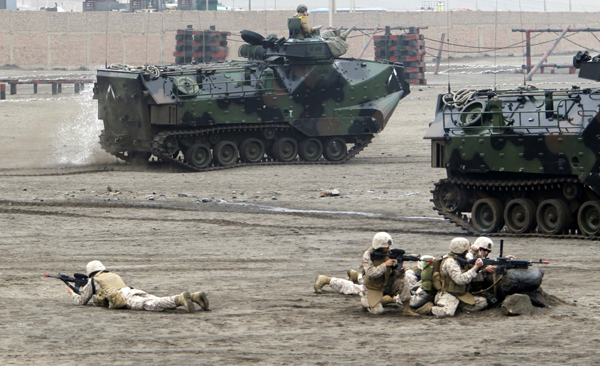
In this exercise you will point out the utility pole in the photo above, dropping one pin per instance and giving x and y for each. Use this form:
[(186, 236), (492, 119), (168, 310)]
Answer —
[(569, 5), (249, 5), (544, 6)]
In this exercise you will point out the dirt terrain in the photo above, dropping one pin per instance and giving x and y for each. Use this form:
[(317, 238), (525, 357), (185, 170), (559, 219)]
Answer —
[(255, 247)]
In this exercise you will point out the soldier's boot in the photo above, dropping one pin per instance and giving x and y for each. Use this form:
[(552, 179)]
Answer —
[(425, 309), (320, 282), (185, 300), (353, 276), (408, 311), (346, 33), (201, 299), (387, 299)]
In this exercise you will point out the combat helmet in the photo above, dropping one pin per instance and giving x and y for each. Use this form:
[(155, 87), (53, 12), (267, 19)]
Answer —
[(483, 242), (382, 240), (301, 8), (459, 245), (94, 266)]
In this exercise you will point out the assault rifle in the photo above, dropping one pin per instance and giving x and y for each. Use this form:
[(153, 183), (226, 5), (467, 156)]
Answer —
[(78, 280), (397, 254), (501, 263)]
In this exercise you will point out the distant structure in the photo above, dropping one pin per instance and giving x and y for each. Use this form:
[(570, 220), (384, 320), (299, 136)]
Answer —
[(148, 6), (197, 4), (200, 46), (432, 6), (8, 4), (347, 10), (407, 48)]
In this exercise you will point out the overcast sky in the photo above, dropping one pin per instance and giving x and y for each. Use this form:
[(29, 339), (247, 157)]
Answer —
[(411, 5)]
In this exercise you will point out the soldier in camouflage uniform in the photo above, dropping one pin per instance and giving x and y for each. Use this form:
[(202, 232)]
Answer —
[(481, 245), (302, 13), (378, 278), (108, 289), (354, 283), (454, 279)]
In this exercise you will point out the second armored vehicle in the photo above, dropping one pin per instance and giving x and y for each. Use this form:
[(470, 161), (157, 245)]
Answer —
[(527, 160), (291, 97)]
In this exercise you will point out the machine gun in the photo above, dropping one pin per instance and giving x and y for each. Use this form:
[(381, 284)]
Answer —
[(78, 280), (501, 263), (397, 254)]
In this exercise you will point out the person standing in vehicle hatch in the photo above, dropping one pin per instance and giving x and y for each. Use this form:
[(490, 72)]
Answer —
[(302, 13)]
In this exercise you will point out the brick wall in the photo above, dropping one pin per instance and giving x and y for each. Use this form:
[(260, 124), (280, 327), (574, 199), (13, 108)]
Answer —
[(34, 39)]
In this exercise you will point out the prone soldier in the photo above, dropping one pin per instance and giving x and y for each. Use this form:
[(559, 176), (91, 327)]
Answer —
[(105, 288)]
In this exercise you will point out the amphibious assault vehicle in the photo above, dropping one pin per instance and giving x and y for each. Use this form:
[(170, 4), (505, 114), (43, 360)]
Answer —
[(290, 97), (524, 161)]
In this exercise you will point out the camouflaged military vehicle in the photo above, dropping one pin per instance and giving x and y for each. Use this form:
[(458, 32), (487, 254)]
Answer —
[(290, 98), (522, 161)]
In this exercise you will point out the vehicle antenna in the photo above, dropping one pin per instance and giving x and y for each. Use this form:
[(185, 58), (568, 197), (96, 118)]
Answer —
[(448, 43), (496, 49), (521, 19), (106, 41)]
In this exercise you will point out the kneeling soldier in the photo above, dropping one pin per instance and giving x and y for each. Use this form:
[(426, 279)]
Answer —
[(377, 275), (454, 279)]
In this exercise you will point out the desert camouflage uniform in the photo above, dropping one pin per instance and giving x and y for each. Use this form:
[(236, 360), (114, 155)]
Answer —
[(446, 303), (136, 299), (347, 287), (378, 271)]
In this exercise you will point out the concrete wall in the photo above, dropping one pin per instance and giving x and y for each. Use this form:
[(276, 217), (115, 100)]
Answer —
[(35, 39)]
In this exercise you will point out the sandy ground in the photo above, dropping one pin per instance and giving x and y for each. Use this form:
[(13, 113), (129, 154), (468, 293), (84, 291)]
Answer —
[(255, 248)]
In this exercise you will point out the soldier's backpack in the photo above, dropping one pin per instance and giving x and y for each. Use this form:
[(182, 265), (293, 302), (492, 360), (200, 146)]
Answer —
[(430, 275), (437, 273)]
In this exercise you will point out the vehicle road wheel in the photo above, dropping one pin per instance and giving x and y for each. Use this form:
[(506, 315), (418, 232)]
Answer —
[(171, 146), (588, 218), (519, 215), (252, 150), (553, 216), (198, 155), (487, 215), (335, 149), (570, 191), (451, 198), (225, 153), (285, 149), (310, 149)]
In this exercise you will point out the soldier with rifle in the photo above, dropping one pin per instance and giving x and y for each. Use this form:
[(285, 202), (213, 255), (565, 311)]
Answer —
[(108, 289), (382, 276), (454, 280), (354, 283)]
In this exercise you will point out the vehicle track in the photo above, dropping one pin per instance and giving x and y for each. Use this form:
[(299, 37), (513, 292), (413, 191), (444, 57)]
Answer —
[(159, 148), (461, 220)]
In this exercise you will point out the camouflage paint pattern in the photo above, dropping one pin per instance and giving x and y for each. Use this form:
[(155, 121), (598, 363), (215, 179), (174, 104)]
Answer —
[(549, 133), (298, 83), (526, 158)]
